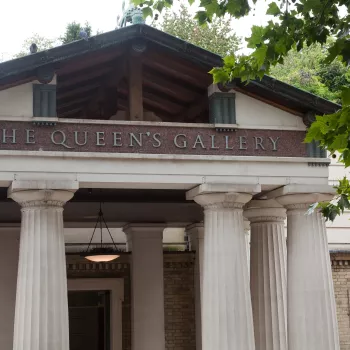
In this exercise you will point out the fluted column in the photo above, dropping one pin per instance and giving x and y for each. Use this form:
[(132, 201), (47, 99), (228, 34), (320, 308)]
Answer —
[(195, 235), (268, 279), (227, 322), (246, 226), (41, 316), (312, 322)]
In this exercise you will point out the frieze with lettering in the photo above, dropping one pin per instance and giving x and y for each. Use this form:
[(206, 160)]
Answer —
[(157, 139)]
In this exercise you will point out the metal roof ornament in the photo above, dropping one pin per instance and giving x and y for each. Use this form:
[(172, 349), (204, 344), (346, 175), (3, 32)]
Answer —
[(132, 14)]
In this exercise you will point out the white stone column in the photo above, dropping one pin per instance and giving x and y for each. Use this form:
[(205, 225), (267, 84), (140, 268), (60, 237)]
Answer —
[(41, 316), (147, 285), (195, 235), (268, 279), (246, 225), (227, 322), (312, 322)]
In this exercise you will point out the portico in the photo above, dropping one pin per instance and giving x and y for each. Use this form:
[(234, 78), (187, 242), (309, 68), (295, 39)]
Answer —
[(223, 245), (193, 157)]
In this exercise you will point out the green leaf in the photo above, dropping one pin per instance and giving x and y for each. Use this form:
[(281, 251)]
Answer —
[(201, 17), (159, 6), (137, 2), (345, 97), (256, 37), (260, 55), (343, 202), (273, 9), (340, 142), (191, 2), (229, 61), (313, 133), (147, 12), (219, 75)]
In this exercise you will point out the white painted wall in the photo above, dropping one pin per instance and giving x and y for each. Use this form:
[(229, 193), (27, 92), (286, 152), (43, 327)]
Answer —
[(9, 252), (251, 112), (339, 230), (18, 101)]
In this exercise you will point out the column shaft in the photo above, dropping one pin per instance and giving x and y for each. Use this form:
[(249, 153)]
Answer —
[(147, 284), (227, 322), (41, 316), (268, 280), (195, 234), (312, 322)]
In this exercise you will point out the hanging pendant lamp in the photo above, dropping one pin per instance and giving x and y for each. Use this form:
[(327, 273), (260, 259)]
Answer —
[(101, 253)]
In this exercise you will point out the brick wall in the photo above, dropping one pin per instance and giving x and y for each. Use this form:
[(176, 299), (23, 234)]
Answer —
[(180, 327), (180, 330), (341, 280)]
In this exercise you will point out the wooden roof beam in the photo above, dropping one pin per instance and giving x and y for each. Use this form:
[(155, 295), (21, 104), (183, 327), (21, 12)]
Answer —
[(78, 90), (135, 87), (197, 107), (83, 76), (70, 112), (168, 87)]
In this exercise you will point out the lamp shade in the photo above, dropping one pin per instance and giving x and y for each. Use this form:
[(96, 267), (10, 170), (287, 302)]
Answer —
[(101, 254), (101, 258)]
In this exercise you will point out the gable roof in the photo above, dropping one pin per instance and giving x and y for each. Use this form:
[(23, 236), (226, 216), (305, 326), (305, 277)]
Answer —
[(270, 90)]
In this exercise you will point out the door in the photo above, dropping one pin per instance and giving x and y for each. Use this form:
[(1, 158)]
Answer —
[(89, 320)]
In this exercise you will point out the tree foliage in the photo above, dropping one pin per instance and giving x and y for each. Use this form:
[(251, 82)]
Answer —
[(217, 36), (41, 42), (72, 32), (294, 25), (306, 70)]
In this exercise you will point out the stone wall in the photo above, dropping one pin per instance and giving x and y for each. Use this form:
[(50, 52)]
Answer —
[(180, 330), (341, 278)]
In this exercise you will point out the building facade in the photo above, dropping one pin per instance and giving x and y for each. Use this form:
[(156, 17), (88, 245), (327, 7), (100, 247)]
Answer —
[(184, 172)]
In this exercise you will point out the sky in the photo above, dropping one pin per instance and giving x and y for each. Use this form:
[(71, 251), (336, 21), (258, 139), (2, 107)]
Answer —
[(21, 19)]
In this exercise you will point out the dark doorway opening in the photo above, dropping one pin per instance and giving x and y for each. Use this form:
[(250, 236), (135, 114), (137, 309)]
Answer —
[(89, 320)]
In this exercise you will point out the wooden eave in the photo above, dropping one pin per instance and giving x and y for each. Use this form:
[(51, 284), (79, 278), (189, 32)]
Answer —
[(175, 75)]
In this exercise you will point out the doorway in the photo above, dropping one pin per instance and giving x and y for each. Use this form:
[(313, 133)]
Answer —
[(115, 287), (89, 320)]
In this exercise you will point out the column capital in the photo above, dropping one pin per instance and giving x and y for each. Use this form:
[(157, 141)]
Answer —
[(42, 193), (257, 211), (147, 230), (41, 198), (223, 200), (301, 196), (303, 201), (208, 188)]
